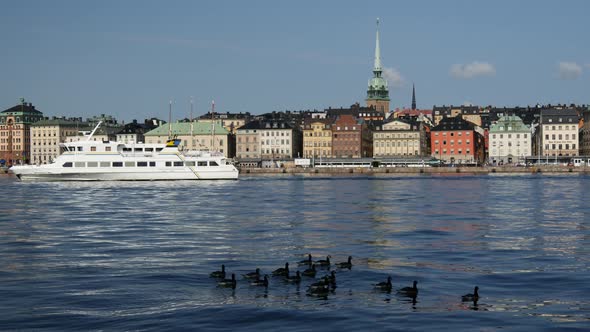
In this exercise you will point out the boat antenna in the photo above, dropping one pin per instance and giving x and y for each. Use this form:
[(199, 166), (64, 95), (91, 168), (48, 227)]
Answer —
[(170, 120), (94, 130)]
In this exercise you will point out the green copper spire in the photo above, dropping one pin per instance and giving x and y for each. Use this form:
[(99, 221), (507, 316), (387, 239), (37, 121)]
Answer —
[(377, 85)]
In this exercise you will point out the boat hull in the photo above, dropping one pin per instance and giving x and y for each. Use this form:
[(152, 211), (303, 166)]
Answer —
[(33, 173)]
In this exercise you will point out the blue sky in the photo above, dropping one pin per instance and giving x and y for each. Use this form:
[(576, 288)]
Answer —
[(129, 58)]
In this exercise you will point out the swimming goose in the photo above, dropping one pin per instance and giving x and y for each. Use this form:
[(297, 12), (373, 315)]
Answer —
[(410, 291), (321, 291), (260, 282), (384, 285), (345, 265), (310, 272), (324, 262), (307, 261), (296, 278), (332, 279), (471, 297), (218, 274), (324, 282), (253, 275), (228, 282), (282, 271)]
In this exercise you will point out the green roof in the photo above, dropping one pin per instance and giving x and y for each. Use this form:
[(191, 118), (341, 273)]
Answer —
[(184, 128), (513, 122)]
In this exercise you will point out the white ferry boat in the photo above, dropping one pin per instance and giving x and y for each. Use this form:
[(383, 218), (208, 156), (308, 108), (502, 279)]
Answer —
[(113, 161)]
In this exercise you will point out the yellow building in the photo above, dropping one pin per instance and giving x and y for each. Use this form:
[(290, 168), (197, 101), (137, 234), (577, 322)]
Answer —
[(317, 138)]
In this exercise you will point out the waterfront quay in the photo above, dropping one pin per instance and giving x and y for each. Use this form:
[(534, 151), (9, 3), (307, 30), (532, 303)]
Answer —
[(392, 171)]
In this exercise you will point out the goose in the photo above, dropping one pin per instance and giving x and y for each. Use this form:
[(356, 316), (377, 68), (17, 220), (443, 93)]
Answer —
[(471, 297), (324, 282), (332, 279), (282, 271), (384, 285), (260, 282), (296, 278), (307, 261), (253, 275), (218, 274), (324, 262), (310, 272), (410, 291), (345, 265), (320, 291), (228, 282)]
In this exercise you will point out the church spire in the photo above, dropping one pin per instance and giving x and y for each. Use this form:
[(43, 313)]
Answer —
[(413, 97), (377, 66), (378, 92)]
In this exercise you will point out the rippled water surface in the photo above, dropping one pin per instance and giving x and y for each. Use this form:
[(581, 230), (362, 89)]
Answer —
[(137, 256)]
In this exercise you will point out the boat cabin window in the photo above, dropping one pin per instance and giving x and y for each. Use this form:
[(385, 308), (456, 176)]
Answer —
[(149, 149), (105, 164), (93, 148), (92, 164), (71, 148), (107, 148), (79, 164), (79, 148), (138, 149), (168, 163), (158, 149), (130, 164), (202, 163), (178, 163), (68, 164), (189, 163), (213, 163), (117, 164), (152, 164), (142, 164), (126, 149)]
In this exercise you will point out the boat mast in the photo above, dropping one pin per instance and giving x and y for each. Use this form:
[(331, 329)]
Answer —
[(192, 139), (94, 130), (212, 125), (170, 120)]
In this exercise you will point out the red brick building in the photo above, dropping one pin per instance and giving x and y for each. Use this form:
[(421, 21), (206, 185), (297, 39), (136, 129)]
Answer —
[(351, 138), (457, 141), (15, 140)]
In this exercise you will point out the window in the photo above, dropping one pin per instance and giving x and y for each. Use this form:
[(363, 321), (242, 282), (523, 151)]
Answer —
[(117, 164), (213, 163), (178, 163), (92, 164), (149, 149), (68, 164), (93, 148), (202, 163), (189, 163), (107, 148), (152, 164), (130, 164), (79, 164), (105, 164), (142, 164), (168, 163)]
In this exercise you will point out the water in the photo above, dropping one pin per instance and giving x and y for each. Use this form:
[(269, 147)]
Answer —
[(136, 256)]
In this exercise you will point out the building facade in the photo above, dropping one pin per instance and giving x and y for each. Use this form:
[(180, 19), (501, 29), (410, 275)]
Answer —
[(378, 91), (15, 131), (510, 141), (399, 138), (193, 136), (457, 141), (351, 138), (48, 134), (585, 134), (268, 140), (317, 138), (558, 133)]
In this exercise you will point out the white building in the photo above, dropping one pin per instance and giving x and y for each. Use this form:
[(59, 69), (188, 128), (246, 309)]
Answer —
[(510, 141)]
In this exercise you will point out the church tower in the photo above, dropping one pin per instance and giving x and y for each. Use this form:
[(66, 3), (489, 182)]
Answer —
[(413, 97), (378, 93)]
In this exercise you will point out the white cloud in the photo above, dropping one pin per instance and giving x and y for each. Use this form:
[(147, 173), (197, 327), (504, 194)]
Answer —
[(569, 70), (472, 70), (393, 76)]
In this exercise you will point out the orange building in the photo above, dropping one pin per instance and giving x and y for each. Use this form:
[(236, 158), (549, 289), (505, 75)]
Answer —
[(457, 141), (15, 140)]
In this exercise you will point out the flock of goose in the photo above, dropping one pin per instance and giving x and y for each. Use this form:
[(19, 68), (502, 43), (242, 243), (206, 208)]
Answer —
[(322, 286)]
